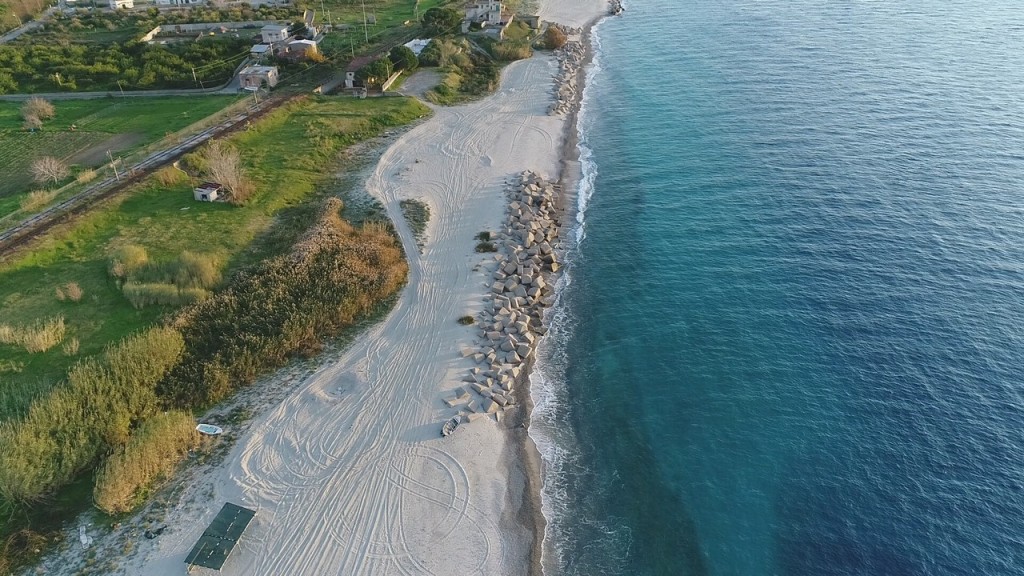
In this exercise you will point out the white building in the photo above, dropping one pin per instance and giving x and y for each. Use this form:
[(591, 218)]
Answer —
[(274, 33), (127, 4), (484, 13), (256, 76), (207, 192)]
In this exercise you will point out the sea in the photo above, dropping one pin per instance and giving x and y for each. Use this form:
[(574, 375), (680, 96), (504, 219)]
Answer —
[(790, 336)]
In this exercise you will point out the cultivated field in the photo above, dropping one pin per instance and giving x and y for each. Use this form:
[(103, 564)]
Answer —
[(100, 125)]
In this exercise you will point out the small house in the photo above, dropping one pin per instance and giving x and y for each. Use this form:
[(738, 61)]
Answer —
[(127, 4), (487, 13), (274, 33), (532, 21), (300, 49), (257, 76), (259, 50), (207, 192)]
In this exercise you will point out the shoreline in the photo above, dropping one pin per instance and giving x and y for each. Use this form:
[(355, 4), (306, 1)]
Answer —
[(527, 454)]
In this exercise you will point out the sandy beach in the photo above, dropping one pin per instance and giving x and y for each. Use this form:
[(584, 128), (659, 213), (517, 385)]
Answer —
[(349, 474)]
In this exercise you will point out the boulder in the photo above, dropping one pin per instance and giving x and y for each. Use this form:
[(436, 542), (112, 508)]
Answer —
[(508, 344), (523, 350)]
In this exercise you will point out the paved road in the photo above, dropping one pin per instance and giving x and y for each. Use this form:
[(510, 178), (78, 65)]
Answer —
[(28, 26), (231, 87)]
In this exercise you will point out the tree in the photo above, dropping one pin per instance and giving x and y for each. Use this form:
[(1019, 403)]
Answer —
[(224, 166), (376, 72), (437, 21), (431, 53), (404, 58), (48, 169), (37, 108)]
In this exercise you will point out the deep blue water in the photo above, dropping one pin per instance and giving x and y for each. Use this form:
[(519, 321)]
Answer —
[(791, 339)]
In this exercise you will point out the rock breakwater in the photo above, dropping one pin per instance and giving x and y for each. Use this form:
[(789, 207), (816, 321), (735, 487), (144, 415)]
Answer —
[(571, 58), (521, 288)]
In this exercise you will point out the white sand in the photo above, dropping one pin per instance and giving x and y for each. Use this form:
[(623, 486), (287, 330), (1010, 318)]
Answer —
[(349, 474)]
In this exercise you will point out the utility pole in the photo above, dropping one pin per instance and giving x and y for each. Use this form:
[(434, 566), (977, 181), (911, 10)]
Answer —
[(113, 165), (121, 89), (366, 35), (194, 78)]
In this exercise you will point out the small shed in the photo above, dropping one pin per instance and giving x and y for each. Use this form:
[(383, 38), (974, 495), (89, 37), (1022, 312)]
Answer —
[(256, 76), (207, 192), (417, 45), (220, 537), (259, 50), (274, 33), (532, 21)]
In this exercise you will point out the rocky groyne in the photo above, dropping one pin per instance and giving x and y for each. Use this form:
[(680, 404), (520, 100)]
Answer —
[(571, 58), (521, 288)]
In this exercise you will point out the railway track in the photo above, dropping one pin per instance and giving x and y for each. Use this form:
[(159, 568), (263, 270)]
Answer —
[(30, 228)]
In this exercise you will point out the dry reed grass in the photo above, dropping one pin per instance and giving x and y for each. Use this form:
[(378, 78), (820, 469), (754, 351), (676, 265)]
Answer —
[(37, 200), (39, 336)]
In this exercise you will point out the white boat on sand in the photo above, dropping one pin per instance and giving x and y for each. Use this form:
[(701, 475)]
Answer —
[(451, 425)]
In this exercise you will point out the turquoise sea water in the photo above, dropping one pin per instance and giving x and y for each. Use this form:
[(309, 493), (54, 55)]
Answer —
[(790, 339)]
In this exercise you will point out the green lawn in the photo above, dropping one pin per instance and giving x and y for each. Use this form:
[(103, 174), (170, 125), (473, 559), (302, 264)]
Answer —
[(122, 124), (288, 155)]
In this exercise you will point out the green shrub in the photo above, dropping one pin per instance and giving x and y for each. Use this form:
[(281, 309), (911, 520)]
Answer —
[(196, 271), (510, 50), (283, 307), (66, 430), (417, 214), (486, 247), (127, 261), (152, 454), (466, 320)]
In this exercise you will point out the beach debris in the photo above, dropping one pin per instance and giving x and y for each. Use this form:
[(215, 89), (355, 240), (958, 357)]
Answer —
[(83, 536), (209, 429)]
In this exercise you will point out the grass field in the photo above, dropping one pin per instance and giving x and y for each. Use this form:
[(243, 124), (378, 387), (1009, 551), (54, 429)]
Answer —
[(101, 124), (390, 17), (286, 153)]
